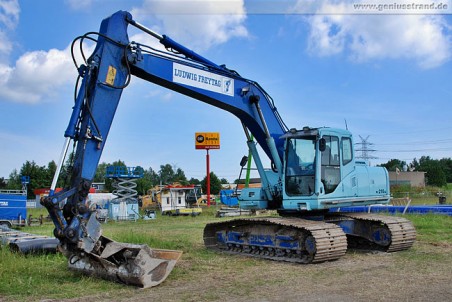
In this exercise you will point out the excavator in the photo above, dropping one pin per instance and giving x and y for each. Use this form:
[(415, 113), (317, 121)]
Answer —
[(314, 171)]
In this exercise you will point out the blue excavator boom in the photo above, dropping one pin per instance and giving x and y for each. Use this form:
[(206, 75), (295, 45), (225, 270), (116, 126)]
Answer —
[(313, 169)]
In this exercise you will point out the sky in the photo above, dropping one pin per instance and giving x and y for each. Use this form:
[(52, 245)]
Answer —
[(383, 73)]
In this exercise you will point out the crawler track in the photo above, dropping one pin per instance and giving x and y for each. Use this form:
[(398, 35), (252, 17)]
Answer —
[(401, 231), (282, 239)]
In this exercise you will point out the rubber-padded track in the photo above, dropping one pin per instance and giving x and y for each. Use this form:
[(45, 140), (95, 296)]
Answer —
[(330, 240), (403, 233)]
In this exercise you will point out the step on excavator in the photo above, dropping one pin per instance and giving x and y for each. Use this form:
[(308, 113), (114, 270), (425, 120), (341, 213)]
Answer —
[(314, 171)]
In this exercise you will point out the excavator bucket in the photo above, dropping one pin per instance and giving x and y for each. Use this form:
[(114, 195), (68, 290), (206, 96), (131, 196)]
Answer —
[(131, 264)]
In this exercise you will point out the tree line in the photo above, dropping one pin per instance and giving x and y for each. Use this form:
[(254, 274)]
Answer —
[(42, 176), (437, 172)]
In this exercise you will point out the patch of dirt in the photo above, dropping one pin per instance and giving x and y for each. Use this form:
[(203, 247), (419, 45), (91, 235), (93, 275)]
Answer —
[(358, 276)]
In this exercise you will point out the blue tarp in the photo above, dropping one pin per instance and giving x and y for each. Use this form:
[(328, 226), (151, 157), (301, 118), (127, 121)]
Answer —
[(228, 198), (431, 209)]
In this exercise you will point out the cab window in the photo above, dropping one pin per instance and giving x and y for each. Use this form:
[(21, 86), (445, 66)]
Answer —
[(347, 154), (300, 166), (330, 164)]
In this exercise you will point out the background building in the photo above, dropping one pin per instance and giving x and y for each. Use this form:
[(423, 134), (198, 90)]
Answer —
[(414, 178)]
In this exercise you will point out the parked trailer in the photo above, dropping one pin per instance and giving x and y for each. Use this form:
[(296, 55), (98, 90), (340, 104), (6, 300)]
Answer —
[(179, 200), (13, 207)]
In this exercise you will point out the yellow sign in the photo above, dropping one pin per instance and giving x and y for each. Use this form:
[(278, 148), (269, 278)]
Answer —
[(111, 75), (207, 140)]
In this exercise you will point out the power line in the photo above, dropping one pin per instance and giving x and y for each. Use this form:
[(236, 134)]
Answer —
[(440, 141), (431, 130), (365, 149), (415, 150)]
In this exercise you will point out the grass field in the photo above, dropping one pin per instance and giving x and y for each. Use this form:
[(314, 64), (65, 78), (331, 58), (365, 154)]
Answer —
[(202, 275)]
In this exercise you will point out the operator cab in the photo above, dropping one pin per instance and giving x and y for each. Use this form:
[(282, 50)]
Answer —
[(316, 159)]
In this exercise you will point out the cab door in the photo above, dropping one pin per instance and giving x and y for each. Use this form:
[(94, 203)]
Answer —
[(330, 169)]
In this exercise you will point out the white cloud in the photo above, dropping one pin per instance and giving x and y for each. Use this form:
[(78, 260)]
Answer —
[(9, 13), (36, 75), (159, 93), (5, 44), (79, 4), (9, 17), (426, 39), (199, 24)]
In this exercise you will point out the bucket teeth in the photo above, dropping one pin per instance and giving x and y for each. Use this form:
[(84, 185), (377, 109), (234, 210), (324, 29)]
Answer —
[(131, 264)]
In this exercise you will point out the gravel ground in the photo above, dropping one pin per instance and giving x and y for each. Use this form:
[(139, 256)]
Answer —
[(422, 273)]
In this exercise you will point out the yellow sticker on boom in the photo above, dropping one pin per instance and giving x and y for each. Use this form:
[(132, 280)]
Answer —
[(111, 75)]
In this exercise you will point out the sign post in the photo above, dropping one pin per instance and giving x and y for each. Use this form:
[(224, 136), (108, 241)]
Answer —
[(208, 177), (207, 141)]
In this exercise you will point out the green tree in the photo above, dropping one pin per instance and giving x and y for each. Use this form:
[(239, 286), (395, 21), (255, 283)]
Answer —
[(51, 169), (101, 171), (3, 184), (166, 174), (224, 181), (14, 181), (39, 177), (180, 177), (153, 176), (435, 175), (415, 164), (66, 172), (215, 184), (194, 181), (149, 180), (446, 164), (394, 164)]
